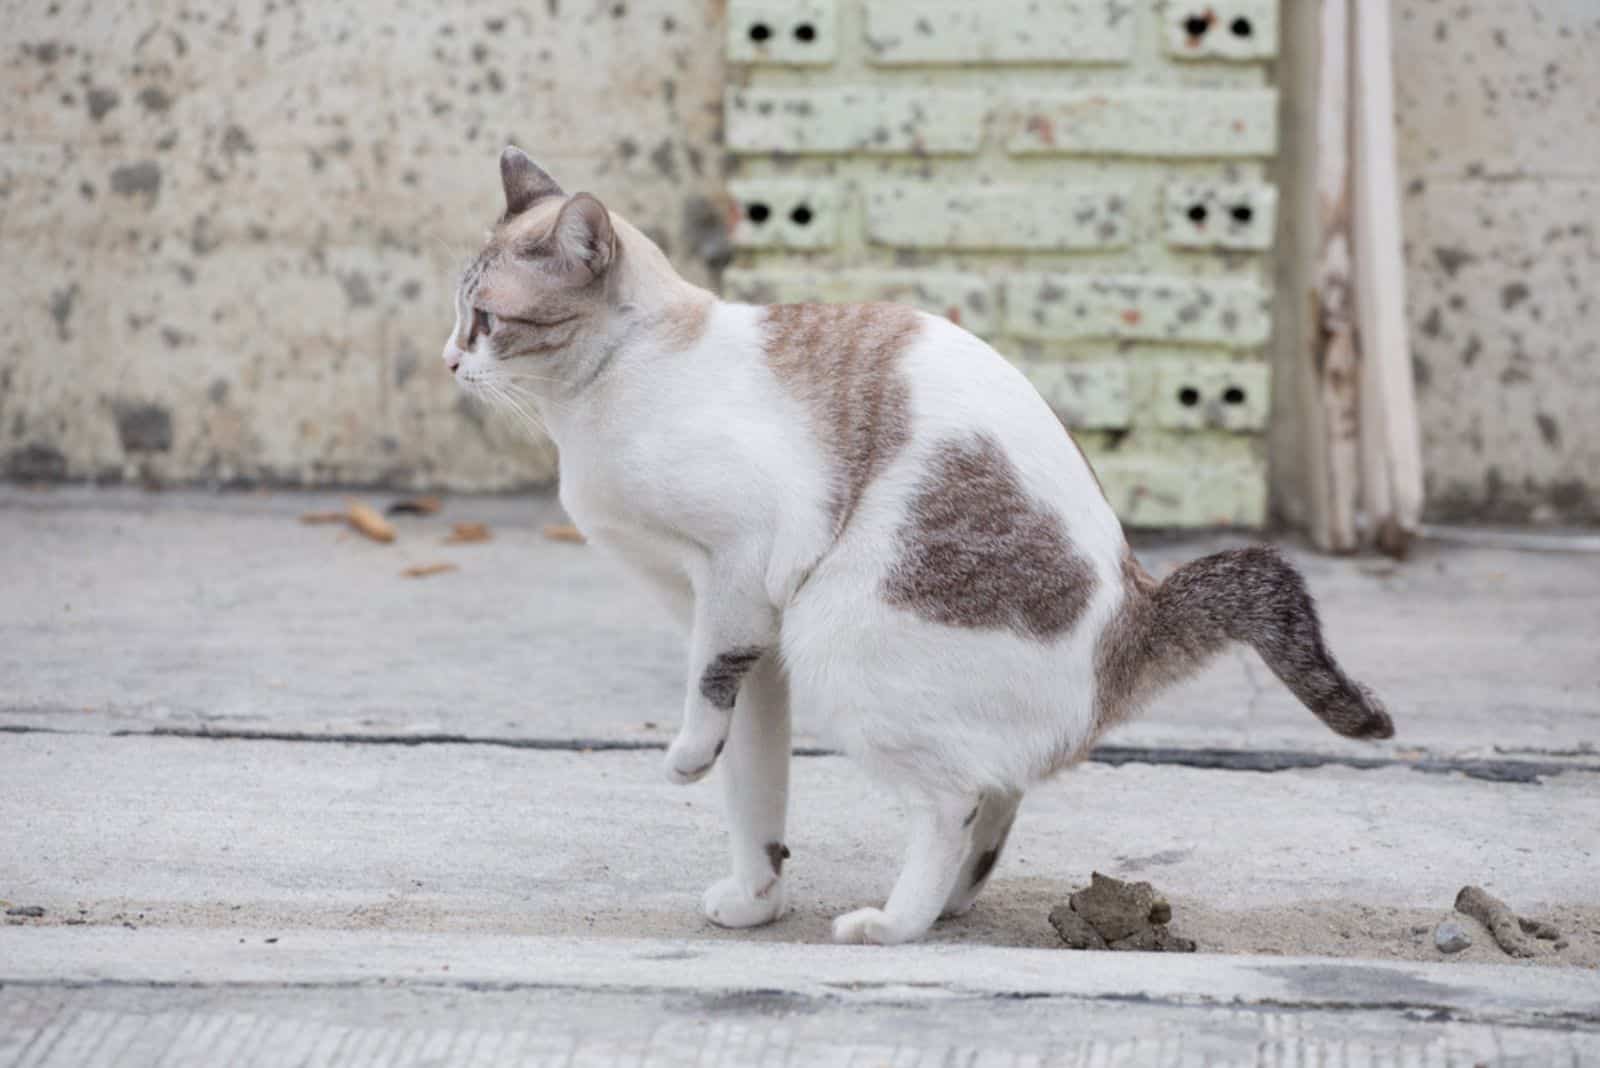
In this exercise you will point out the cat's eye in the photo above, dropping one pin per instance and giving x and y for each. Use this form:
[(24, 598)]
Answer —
[(482, 323)]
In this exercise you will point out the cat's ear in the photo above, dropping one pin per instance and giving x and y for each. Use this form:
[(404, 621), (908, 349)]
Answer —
[(583, 238), (525, 181)]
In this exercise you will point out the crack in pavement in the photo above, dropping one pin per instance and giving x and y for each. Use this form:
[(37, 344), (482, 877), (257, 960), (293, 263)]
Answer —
[(1528, 772)]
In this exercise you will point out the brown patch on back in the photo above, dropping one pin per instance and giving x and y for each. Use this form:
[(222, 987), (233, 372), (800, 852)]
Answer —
[(978, 552), (683, 324), (840, 359)]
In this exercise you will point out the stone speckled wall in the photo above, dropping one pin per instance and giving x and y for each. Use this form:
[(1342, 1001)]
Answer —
[(1082, 182), (229, 233), (1499, 132)]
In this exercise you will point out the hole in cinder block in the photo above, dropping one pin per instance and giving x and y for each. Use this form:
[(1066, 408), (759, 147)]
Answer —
[(1242, 213), (1188, 396), (1233, 395), (1197, 25), (801, 215), (805, 32), (1197, 213), (760, 31), (757, 212), (1241, 27)]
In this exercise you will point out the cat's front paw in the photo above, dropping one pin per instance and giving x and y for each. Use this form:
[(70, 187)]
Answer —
[(868, 927), (689, 761), (730, 903)]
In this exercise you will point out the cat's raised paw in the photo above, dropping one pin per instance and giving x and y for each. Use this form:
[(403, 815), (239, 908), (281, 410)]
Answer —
[(867, 927), (729, 903), (687, 763)]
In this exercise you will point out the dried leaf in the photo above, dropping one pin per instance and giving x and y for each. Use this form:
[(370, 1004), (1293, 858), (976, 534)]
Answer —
[(366, 519), (466, 533), (324, 517), (564, 532), (414, 506), (424, 570)]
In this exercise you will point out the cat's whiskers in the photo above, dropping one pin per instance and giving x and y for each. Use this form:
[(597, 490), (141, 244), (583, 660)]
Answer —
[(505, 399)]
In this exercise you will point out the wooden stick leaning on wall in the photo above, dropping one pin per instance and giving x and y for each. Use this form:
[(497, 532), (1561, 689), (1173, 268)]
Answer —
[(1391, 447), (1333, 399), (1361, 404)]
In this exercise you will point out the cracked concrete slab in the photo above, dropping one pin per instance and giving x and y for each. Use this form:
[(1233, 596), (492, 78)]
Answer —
[(183, 833), (840, 1010), (371, 895), (131, 611)]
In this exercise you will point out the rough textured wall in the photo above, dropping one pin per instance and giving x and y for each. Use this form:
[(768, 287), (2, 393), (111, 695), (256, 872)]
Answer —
[(1082, 182), (229, 233), (1499, 127)]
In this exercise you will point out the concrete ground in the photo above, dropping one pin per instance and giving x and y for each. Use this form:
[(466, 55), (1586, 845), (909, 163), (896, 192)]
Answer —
[(273, 798)]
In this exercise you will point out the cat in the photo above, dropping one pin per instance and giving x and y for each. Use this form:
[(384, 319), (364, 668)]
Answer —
[(862, 510)]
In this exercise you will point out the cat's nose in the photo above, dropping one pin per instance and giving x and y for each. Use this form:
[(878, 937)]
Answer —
[(452, 357)]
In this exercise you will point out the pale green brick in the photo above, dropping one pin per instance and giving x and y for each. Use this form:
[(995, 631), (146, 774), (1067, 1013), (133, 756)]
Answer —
[(963, 298), (1088, 396), (1212, 215), (1186, 123), (1169, 491), (1203, 394), (1036, 216), (1233, 29), (863, 119), (1137, 307), (803, 33), (999, 31), (785, 213)]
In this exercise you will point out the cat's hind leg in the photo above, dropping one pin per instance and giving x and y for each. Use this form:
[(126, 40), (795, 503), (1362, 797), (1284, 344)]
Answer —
[(939, 841), (991, 826), (755, 786)]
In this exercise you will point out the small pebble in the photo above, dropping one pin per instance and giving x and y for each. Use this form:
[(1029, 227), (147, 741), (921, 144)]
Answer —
[(31, 911), (1451, 937)]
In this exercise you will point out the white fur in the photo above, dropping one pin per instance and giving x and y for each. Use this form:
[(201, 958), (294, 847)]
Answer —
[(706, 477)]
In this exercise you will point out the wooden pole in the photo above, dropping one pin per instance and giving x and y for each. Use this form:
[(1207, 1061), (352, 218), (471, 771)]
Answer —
[(1391, 446), (1336, 365)]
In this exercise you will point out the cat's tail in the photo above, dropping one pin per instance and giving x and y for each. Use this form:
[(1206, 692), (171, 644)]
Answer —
[(1167, 630)]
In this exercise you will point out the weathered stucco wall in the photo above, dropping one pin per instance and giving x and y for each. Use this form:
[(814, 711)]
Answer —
[(228, 236), (1499, 130)]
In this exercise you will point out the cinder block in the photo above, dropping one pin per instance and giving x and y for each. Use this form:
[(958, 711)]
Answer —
[(797, 34), (785, 213), (1211, 215), (1157, 491), (1088, 396), (1203, 395), (1187, 123), (1222, 29), (864, 119), (962, 298), (1000, 31), (1040, 216), (1172, 309)]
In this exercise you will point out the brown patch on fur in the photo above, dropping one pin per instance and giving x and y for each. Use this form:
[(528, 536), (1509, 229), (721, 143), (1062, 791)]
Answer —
[(683, 324), (719, 682), (977, 552), (777, 853), (1165, 631), (840, 359)]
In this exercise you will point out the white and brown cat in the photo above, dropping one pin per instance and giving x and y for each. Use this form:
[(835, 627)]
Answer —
[(864, 511)]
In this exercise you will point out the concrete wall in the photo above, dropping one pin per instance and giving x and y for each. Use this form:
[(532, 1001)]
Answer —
[(1499, 130), (228, 235)]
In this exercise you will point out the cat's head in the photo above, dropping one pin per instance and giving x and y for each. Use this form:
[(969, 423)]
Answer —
[(532, 309)]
